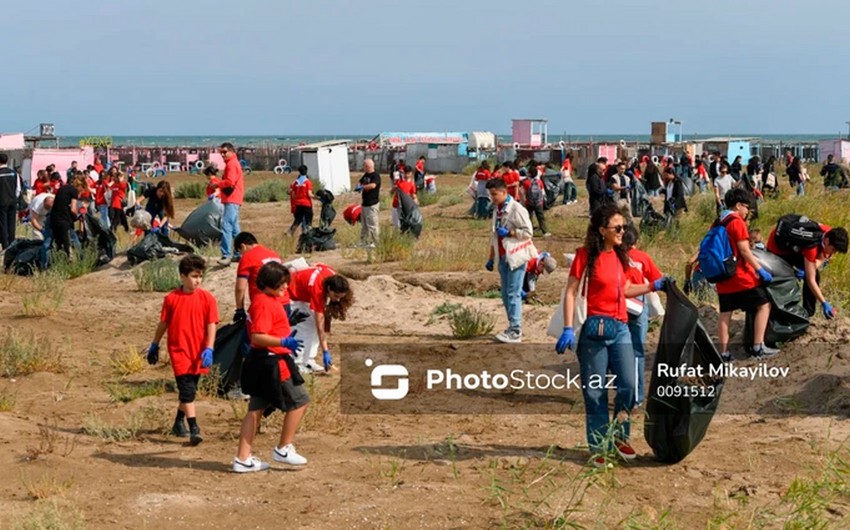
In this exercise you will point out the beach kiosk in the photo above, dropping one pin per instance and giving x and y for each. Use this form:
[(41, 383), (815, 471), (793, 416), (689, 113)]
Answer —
[(328, 161), (840, 149)]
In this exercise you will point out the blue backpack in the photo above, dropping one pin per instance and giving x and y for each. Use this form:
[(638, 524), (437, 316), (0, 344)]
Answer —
[(716, 259)]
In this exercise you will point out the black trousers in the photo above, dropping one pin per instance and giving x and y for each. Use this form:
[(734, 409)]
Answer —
[(116, 217), (541, 217), (8, 215), (810, 302), (62, 236), (303, 217)]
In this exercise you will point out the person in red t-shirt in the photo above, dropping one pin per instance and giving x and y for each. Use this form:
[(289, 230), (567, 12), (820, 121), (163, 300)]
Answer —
[(213, 182), (642, 270), (97, 166), (301, 201), (482, 196), (601, 267), (420, 173), (406, 185), (103, 185), (116, 207), (272, 346), (744, 290), (535, 202), (324, 294), (511, 178), (189, 315), (544, 263), (42, 183), (808, 263), (254, 256)]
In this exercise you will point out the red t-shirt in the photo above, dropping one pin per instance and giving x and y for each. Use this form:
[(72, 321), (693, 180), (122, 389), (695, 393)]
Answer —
[(86, 194), (420, 166), (606, 287), (645, 269), (526, 185), (55, 185), (745, 277), (212, 185), (100, 193), (483, 174), (41, 187), (98, 167), (407, 186), (119, 191), (306, 286), (187, 316), (299, 194), (809, 254), (268, 317), (249, 267), (511, 179), (568, 166)]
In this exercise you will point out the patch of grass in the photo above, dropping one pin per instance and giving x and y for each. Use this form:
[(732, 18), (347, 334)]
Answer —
[(126, 392), (209, 383), (45, 295), (443, 251), (45, 486), (50, 441), (94, 425), (446, 308), (451, 200), (323, 414), (7, 400), (191, 190), (393, 246), (490, 295), (52, 516), (20, 355), (83, 261), (159, 275), (274, 190), (8, 282), (126, 362), (467, 322)]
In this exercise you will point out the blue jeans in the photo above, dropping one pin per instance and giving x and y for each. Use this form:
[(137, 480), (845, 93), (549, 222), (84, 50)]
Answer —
[(801, 189), (638, 327), (482, 207), (596, 358), (103, 211), (511, 289), (229, 229), (570, 192), (47, 232)]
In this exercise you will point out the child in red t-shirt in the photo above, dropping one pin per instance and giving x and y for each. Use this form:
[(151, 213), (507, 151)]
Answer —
[(301, 201), (116, 207), (408, 186), (213, 182), (189, 315), (272, 345)]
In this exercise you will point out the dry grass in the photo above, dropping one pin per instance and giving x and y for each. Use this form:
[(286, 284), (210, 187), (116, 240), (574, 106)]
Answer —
[(45, 486), (160, 275), (50, 441), (7, 400), (21, 355), (44, 294), (127, 392), (467, 322), (127, 361), (52, 516)]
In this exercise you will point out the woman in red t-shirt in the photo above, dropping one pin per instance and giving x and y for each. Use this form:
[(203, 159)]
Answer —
[(601, 266), (301, 202), (42, 183), (117, 202), (408, 186)]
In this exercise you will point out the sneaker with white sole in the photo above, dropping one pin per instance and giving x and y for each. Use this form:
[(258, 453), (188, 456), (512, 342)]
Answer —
[(252, 465), (288, 455), (224, 262), (237, 394), (510, 336)]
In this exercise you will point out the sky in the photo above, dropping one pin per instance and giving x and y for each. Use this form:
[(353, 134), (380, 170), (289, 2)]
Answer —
[(272, 67)]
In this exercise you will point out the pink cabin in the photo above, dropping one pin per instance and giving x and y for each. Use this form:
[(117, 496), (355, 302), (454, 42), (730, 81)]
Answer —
[(61, 158), (840, 149), (530, 132)]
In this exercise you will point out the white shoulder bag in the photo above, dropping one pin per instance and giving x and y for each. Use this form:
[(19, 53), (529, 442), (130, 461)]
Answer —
[(556, 324)]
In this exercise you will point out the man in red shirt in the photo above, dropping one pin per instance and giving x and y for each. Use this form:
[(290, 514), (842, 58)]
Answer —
[(808, 263), (232, 191), (511, 178), (406, 185), (301, 201), (189, 315), (744, 290)]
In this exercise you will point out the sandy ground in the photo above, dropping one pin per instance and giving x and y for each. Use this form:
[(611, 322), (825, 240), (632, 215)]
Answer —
[(395, 471)]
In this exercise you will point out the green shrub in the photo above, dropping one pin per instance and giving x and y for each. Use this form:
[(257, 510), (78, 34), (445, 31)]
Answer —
[(159, 275), (393, 246), (274, 190), (126, 392), (21, 355), (83, 262), (467, 323), (191, 190)]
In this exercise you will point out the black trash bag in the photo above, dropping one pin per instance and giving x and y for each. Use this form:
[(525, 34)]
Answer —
[(103, 238), (316, 239), (17, 247), (409, 216), (651, 222), (552, 188), (27, 261), (788, 318), (328, 213), (674, 426), (155, 246), (203, 225), (639, 199), (231, 346)]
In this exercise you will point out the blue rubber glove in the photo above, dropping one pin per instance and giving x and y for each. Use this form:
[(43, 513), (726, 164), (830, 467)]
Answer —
[(502, 232), (610, 192), (489, 265), (661, 283), (523, 295), (206, 358), (239, 315), (800, 274), (359, 187), (326, 359), (155, 230), (292, 344), (566, 340), (828, 311), (211, 197), (153, 353), (765, 276)]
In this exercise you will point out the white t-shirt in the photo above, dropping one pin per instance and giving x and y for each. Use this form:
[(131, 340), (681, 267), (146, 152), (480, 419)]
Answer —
[(724, 184), (37, 208)]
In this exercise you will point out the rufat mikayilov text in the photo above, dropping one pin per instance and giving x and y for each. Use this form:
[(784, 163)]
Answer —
[(447, 379), (724, 370)]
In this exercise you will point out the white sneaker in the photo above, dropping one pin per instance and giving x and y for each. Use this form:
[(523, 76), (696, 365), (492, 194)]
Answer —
[(547, 234), (287, 455), (238, 395), (310, 366), (510, 336), (253, 464), (224, 262)]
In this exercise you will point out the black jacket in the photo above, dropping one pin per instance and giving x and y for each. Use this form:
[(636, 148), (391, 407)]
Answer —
[(10, 186), (677, 202)]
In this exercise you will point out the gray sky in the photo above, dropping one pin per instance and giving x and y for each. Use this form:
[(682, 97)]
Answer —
[(324, 67)]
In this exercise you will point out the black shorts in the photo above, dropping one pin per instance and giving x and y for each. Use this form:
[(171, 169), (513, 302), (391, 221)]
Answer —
[(748, 300), (294, 397), (187, 387)]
